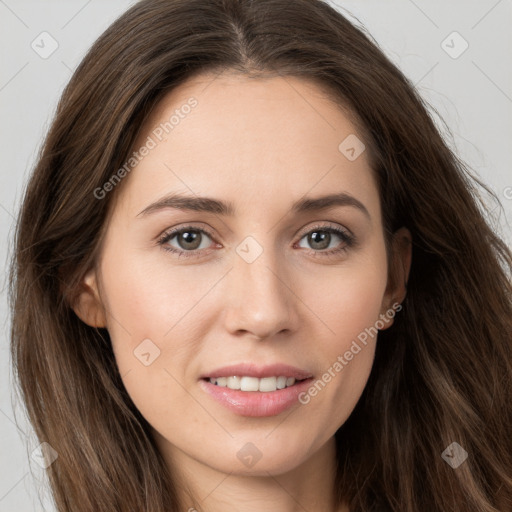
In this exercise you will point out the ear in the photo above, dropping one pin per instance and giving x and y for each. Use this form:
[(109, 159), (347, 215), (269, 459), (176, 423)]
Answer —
[(399, 268), (88, 305)]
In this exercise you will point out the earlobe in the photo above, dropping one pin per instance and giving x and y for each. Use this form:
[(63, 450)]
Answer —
[(88, 305), (400, 267)]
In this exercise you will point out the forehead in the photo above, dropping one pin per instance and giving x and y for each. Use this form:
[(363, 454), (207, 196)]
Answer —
[(252, 141)]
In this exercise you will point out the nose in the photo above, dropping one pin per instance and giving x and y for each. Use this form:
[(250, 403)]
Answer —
[(261, 301)]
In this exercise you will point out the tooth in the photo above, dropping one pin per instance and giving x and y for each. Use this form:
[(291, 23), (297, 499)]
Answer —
[(249, 384), (244, 383), (268, 384), (281, 382), (234, 382)]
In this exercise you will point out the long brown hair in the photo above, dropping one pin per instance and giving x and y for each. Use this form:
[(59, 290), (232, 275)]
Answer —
[(441, 374)]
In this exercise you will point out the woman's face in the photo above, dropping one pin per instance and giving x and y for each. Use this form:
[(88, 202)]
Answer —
[(273, 281)]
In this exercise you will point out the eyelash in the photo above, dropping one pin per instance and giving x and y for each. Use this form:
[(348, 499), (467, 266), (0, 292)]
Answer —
[(346, 237)]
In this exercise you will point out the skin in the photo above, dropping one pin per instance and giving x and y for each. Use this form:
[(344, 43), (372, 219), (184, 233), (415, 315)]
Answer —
[(261, 144)]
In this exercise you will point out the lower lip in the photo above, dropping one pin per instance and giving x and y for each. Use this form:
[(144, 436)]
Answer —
[(256, 403)]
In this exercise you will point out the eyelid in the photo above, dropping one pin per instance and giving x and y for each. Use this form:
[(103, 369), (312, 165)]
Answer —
[(318, 225), (325, 225), (184, 227)]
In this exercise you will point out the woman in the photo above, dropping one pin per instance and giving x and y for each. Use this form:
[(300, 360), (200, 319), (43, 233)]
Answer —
[(180, 339)]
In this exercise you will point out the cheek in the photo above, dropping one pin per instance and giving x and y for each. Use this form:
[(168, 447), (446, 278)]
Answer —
[(350, 306), (145, 308), (147, 297), (154, 318), (139, 301), (349, 299)]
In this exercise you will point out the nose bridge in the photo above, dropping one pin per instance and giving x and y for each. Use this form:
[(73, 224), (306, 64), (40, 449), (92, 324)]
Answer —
[(260, 301)]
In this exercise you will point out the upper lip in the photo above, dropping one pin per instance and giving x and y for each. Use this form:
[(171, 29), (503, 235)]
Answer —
[(253, 370)]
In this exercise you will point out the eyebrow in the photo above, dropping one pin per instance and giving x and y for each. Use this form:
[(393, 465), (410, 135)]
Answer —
[(211, 205)]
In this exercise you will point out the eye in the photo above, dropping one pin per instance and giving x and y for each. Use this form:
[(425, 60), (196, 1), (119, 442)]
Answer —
[(188, 239), (322, 239)]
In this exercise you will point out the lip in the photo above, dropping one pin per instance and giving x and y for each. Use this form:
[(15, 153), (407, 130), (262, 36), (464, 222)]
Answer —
[(256, 403), (252, 370)]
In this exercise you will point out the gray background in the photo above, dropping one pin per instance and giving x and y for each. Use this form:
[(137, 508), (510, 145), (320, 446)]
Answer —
[(472, 93)]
